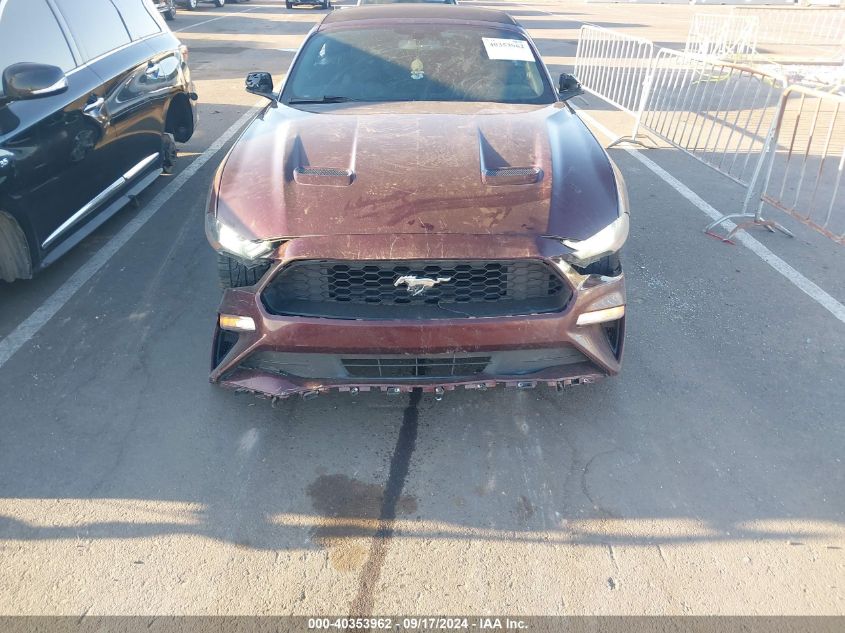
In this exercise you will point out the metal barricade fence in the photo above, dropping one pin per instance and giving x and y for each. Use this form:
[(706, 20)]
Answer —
[(786, 146), (614, 66), (727, 37), (718, 113), (815, 26), (804, 167)]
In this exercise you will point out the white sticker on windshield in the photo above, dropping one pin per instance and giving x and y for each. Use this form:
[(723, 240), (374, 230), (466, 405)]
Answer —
[(514, 50)]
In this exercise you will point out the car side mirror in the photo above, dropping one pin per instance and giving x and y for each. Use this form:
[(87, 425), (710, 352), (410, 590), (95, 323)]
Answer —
[(32, 81), (261, 84), (569, 87)]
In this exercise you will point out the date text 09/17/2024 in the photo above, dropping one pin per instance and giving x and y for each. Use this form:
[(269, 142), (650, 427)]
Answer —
[(417, 623)]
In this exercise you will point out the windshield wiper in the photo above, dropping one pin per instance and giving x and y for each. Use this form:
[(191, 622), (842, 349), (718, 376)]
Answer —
[(323, 99)]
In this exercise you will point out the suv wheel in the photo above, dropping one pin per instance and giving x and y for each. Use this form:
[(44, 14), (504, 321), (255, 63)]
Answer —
[(219, 3), (15, 262), (191, 5), (168, 153), (234, 274), (170, 14)]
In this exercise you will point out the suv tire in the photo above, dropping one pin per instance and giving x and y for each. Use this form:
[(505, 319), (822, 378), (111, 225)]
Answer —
[(169, 153), (219, 3), (15, 261), (234, 274), (191, 5)]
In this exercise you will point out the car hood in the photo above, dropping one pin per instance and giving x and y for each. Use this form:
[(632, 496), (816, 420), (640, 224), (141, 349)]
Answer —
[(463, 168)]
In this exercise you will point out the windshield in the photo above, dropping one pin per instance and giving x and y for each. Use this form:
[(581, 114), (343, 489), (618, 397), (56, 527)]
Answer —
[(429, 62)]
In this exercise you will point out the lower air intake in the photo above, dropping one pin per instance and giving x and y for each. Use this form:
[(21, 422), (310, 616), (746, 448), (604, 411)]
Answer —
[(415, 367)]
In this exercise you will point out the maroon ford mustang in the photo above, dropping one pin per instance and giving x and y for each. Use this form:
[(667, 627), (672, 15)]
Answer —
[(418, 207)]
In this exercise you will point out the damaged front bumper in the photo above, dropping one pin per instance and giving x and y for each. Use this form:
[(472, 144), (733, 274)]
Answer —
[(279, 356)]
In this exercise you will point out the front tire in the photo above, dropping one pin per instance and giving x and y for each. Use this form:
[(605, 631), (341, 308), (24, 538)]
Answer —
[(219, 3), (170, 15), (234, 274), (192, 5)]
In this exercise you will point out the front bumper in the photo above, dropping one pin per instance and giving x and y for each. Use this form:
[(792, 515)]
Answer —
[(566, 353)]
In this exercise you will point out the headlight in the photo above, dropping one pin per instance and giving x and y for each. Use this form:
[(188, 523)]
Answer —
[(230, 241), (611, 238)]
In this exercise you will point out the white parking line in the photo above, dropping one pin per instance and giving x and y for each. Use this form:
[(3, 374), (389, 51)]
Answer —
[(18, 337), (808, 287), (221, 17)]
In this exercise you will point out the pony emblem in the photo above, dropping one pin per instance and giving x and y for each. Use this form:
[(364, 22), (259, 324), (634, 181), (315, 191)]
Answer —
[(418, 285)]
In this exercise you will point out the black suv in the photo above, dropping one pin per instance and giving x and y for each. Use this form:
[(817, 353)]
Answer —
[(94, 96)]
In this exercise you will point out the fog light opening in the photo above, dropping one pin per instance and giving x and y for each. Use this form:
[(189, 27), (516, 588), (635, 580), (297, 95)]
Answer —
[(236, 323), (223, 344), (614, 331), (601, 316)]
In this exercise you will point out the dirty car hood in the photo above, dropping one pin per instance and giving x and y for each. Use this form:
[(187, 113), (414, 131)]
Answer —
[(463, 168)]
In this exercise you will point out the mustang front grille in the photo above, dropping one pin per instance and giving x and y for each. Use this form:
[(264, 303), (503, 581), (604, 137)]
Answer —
[(415, 289)]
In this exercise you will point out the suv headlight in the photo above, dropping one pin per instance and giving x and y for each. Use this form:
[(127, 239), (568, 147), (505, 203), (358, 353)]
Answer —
[(227, 239)]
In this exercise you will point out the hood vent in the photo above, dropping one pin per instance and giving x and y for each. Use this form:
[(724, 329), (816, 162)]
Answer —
[(511, 176), (323, 176), (497, 171)]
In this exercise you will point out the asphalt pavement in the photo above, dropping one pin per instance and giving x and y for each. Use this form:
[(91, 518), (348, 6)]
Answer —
[(706, 479)]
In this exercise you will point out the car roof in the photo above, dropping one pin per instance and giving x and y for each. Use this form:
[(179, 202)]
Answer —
[(421, 11)]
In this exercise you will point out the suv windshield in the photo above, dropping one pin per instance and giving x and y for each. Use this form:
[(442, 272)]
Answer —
[(429, 62)]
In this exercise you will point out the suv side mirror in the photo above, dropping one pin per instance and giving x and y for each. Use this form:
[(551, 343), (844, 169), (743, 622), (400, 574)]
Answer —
[(569, 87), (32, 81), (261, 84)]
